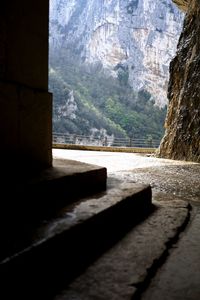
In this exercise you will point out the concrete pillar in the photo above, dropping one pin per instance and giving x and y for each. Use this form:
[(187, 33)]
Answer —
[(25, 104)]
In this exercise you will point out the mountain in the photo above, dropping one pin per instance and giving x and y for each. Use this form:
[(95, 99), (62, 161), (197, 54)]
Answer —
[(134, 39), (109, 65)]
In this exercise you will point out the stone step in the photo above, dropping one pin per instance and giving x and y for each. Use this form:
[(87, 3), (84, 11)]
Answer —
[(27, 199), (126, 270), (62, 248)]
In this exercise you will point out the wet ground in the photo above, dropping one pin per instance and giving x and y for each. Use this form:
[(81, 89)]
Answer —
[(177, 179), (178, 276)]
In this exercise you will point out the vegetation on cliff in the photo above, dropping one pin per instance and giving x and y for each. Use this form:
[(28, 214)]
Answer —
[(100, 103)]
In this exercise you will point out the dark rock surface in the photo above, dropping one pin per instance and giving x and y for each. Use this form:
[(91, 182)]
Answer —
[(182, 136)]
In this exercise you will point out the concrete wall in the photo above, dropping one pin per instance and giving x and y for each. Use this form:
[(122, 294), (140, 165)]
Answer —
[(25, 104)]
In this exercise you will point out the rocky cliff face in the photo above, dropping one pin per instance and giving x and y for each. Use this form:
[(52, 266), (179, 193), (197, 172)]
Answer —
[(182, 4), (182, 138), (136, 38)]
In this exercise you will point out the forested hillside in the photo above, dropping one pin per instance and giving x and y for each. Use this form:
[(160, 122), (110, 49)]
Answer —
[(88, 101)]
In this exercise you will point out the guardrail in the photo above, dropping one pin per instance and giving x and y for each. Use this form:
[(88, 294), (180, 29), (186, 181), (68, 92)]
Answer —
[(74, 139)]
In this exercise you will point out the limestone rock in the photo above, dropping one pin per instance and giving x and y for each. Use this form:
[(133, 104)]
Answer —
[(138, 37)]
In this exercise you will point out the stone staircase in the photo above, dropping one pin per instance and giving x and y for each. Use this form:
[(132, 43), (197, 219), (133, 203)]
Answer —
[(60, 222)]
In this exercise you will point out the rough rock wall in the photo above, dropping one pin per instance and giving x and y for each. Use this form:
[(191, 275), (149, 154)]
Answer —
[(182, 137), (182, 4)]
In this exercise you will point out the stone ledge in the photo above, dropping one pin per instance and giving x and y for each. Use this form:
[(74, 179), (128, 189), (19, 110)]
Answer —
[(125, 271), (106, 148), (64, 248), (30, 198)]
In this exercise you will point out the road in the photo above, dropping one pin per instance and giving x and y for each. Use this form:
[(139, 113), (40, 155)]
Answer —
[(114, 161)]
